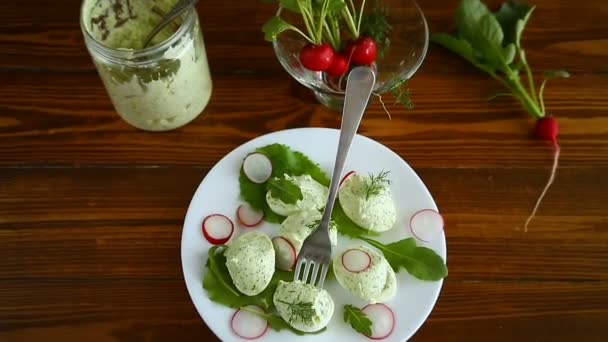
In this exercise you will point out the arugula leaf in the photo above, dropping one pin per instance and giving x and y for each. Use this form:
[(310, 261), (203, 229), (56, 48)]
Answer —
[(285, 190), (421, 262), (358, 320), (220, 289)]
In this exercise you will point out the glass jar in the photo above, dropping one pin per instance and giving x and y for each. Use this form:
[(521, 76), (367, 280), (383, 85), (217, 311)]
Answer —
[(156, 88)]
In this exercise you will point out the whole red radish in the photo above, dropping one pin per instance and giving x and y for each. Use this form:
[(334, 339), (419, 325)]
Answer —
[(339, 65), (316, 57), (362, 51), (547, 129)]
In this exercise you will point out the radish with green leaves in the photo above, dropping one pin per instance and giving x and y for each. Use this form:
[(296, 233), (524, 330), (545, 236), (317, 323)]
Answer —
[(492, 43)]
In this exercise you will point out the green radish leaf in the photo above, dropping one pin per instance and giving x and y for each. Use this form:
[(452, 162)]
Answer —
[(457, 45), (273, 27), (220, 289), (497, 94), (358, 320), (520, 26), (480, 28), (513, 16), (556, 73), (489, 39), (290, 5), (335, 6), (285, 190), (509, 53), (421, 262)]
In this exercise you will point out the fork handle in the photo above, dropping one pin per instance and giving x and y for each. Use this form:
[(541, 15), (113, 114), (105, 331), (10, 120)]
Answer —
[(175, 11), (359, 87)]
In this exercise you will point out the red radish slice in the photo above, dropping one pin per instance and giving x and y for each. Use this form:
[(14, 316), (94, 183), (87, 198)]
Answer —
[(355, 260), (350, 173), (248, 325), (285, 253), (217, 229), (249, 216), (257, 167), (383, 320), (426, 225)]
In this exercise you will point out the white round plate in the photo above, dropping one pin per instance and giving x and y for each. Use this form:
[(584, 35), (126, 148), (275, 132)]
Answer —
[(219, 193)]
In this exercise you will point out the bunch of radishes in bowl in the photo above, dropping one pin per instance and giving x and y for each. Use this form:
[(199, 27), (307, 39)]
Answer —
[(339, 33), (323, 57), (318, 42)]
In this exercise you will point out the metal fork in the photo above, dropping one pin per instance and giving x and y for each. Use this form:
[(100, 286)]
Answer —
[(316, 250)]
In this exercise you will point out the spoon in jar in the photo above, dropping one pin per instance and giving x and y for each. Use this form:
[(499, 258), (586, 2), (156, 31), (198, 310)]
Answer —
[(177, 9)]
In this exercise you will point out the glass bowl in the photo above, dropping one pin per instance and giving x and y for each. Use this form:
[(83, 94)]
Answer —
[(409, 40)]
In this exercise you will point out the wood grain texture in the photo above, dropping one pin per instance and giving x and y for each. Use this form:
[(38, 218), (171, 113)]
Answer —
[(109, 223), (564, 34), (133, 310), (91, 209), (67, 119)]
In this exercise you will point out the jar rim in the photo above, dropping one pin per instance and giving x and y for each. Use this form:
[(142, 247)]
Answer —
[(131, 54)]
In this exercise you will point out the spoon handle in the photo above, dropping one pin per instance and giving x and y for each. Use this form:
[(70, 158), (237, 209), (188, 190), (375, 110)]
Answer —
[(173, 13)]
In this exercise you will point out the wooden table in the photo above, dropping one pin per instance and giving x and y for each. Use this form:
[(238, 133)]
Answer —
[(91, 210)]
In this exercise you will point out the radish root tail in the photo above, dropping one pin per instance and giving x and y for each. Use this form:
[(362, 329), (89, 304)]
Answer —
[(556, 150), (383, 105)]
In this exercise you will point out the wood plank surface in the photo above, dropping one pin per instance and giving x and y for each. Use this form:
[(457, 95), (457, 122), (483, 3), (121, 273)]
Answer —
[(132, 310), (67, 119), (91, 209), (564, 34), (85, 223)]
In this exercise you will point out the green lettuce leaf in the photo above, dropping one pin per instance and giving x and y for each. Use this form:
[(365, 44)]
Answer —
[(220, 288)]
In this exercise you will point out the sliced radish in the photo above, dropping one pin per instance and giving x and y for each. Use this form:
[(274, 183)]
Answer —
[(257, 167), (426, 225), (285, 253), (383, 320), (348, 174), (217, 228), (356, 260), (247, 324), (249, 216)]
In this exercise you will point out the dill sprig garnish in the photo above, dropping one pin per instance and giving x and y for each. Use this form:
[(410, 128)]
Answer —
[(300, 310), (376, 184)]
